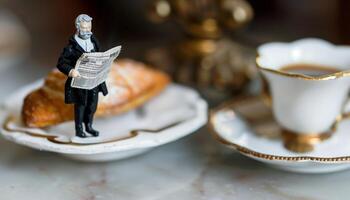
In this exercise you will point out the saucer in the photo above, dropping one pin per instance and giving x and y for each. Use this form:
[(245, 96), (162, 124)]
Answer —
[(247, 126), (164, 119)]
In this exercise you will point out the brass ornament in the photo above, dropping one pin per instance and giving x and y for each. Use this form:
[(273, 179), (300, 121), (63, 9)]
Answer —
[(205, 56)]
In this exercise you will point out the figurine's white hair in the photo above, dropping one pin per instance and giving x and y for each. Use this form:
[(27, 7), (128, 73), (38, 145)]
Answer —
[(82, 18)]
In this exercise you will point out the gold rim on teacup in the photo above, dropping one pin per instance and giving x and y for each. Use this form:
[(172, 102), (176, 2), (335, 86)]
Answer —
[(331, 76)]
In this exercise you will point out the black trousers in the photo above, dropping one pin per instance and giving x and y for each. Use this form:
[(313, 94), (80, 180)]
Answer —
[(85, 113)]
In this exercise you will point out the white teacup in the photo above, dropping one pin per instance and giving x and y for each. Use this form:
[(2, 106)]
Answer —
[(306, 106)]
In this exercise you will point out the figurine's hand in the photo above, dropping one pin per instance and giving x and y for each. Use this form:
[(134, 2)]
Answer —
[(74, 73)]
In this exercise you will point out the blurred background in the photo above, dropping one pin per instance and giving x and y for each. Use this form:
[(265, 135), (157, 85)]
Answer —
[(207, 44)]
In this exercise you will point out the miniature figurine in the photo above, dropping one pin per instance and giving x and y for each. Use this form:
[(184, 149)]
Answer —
[(84, 100)]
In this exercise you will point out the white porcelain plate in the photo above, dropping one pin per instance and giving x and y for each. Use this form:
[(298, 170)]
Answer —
[(247, 126), (175, 113)]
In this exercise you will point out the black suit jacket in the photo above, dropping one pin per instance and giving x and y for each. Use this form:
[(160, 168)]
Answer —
[(67, 61)]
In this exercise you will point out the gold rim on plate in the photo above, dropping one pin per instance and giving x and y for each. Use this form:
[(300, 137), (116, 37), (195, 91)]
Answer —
[(54, 138)]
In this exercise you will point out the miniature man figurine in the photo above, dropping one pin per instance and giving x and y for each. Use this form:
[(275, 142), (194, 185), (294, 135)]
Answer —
[(85, 101)]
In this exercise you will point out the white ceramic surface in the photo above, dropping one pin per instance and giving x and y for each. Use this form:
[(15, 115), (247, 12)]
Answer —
[(177, 117), (304, 104), (329, 156)]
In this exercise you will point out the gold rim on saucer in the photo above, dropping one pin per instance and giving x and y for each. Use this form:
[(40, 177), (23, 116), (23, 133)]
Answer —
[(230, 105)]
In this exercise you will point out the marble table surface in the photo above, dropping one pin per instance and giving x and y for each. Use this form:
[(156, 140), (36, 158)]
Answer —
[(195, 167)]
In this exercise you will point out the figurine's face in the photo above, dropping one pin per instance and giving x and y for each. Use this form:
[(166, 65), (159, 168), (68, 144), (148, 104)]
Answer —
[(85, 30)]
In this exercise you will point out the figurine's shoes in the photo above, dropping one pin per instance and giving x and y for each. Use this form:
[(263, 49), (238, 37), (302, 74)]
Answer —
[(247, 126), (92, 131), (80, 134)]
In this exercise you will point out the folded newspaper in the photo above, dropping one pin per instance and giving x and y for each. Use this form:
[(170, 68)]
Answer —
[(94, 68)]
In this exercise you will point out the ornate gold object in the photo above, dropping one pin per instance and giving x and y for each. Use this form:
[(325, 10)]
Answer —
[(206, 57)]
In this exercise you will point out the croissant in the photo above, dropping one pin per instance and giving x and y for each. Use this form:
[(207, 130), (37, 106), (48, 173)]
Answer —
[(130, 85)]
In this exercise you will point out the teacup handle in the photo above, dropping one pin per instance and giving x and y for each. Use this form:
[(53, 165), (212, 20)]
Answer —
[(341, 117)]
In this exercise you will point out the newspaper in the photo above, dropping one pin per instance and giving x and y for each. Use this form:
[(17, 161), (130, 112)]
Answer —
[(94, 68)]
